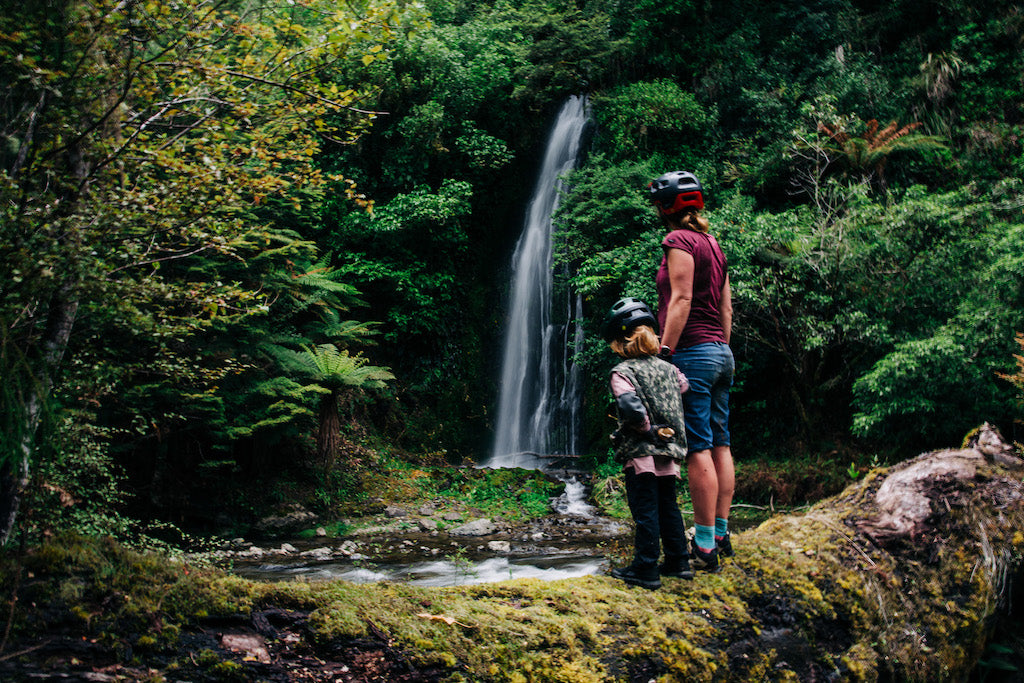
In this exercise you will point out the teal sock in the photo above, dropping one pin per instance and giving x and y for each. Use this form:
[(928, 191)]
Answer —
[(721, 527), (705, 537)]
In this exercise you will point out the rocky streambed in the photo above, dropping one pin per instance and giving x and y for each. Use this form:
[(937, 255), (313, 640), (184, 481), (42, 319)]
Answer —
[(431, 546)]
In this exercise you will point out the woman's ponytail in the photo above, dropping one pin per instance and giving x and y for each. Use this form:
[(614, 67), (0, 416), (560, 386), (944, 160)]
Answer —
[(691, 220)]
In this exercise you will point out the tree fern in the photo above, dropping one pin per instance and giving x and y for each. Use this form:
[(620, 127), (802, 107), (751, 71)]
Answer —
[(335, 368), (866, 154)]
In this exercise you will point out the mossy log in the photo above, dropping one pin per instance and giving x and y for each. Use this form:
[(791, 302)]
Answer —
[(900, 577)]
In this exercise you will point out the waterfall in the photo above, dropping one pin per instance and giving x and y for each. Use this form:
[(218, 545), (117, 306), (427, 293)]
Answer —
[(538, 405)]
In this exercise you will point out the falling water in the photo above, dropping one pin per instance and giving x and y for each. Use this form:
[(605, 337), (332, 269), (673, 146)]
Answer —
[(538, 404)]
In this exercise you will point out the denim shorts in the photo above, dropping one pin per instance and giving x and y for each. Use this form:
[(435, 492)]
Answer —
[(709, 368)]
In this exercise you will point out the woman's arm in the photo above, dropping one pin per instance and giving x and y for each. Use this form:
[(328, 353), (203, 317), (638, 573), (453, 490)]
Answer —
[(680, 277), (725, 310)]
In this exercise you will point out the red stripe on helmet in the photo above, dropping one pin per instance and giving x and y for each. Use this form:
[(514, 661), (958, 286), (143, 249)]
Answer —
[(683, 201)]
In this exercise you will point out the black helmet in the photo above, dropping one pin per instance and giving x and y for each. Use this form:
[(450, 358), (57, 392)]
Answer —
[(625, 315), (675, 191)]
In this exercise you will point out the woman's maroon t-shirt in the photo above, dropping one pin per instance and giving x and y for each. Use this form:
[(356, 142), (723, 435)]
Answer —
[(709, 270)]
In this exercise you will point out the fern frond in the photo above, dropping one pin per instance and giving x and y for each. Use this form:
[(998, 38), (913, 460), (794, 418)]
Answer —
[(869, 134), (352, 330), (833, 133), (325, 364)]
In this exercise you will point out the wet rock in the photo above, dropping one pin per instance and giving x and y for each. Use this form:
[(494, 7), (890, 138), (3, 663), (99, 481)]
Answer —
[(478, 527), (288, 548), (252, 646), (377, 530), (323, 553), (290, 522), (348, 547), (499, 546)]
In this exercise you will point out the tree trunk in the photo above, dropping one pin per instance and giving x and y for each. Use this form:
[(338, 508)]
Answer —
[(14, 475), (328, 438)]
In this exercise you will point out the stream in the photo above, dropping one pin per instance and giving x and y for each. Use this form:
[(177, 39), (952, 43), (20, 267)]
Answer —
[(569, 543)]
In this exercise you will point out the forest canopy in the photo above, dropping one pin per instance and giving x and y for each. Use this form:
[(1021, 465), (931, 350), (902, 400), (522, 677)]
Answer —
[(243, 239)]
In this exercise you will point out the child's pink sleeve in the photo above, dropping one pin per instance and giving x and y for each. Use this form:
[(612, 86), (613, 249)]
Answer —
[(621, 385), (684, 384)]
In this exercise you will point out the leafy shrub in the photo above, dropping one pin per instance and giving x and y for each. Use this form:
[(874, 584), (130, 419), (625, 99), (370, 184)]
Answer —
[(654, 118)]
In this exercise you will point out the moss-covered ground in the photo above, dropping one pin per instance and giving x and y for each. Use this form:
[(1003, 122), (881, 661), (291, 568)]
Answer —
[(807, 597)]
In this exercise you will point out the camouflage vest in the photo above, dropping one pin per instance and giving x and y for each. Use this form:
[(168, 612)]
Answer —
[(657, 385)]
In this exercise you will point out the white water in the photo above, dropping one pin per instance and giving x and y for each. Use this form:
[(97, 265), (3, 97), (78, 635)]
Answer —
[(441, 572), (538, 405), (573, 500)]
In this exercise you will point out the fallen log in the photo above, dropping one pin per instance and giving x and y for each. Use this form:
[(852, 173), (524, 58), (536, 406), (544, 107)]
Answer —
[(898, 578)]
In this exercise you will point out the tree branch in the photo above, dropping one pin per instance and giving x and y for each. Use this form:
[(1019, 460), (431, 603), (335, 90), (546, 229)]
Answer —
[(304, 93), (149, 262)]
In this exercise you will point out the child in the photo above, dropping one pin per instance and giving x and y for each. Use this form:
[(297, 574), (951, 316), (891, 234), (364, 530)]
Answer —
[(650, 442)]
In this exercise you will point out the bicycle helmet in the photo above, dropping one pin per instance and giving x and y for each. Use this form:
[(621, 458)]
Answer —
[(676, 191), (625, 315)]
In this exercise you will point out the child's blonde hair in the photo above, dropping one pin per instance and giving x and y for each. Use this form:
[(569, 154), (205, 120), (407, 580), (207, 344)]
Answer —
[(641, 341)]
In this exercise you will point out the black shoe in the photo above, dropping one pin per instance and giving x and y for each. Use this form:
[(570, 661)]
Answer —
[(724, 546), (705, 561), (677, 570), (635, 578)]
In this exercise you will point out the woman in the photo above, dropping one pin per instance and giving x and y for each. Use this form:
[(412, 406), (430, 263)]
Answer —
[(695, 315), (649, 443)]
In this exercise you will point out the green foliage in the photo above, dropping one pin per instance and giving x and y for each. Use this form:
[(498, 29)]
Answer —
[(509, 494), (1016, 378), (933, 387), (605, 205), (413, 279), (987, 55), (862, 150), (184, 230), (654, 118), (567, 49), (13, 394), (80, 487), (142, 165), (332, 368), (609, 490), (814, 326)]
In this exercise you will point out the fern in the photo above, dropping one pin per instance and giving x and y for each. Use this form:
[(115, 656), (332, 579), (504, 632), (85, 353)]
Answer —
[(866, 154), (333, 367)]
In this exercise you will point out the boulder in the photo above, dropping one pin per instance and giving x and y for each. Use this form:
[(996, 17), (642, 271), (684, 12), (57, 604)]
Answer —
[(290, 522), (478, 527)]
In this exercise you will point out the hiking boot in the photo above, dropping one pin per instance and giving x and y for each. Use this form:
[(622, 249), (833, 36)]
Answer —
[(677, 569), (705, 561), (724, 546), (635, 578)]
